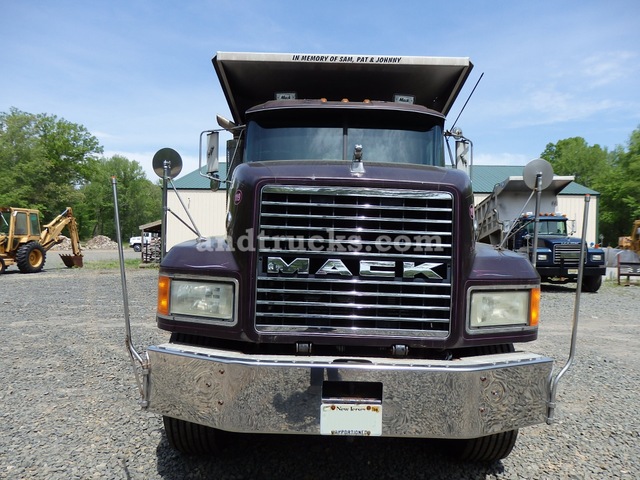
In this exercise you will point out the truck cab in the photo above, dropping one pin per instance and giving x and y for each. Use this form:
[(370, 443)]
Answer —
[(558, 253), (139, 241)]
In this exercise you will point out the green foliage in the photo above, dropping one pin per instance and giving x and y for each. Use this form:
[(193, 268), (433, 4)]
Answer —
[(49, 163), (573, 156), (620, 191), (615, 175), (139, 200), (43, 161)]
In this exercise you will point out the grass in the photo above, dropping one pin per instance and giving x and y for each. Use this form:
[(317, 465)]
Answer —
[(115, 264)]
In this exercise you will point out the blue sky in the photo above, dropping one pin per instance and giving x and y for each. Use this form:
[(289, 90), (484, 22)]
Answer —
[(138, 74)]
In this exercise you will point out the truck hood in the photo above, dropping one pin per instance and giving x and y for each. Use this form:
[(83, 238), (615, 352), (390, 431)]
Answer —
[(339, 172), (556, 239)]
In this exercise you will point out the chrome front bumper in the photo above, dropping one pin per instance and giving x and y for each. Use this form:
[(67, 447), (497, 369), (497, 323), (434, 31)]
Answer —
[(466, 398)]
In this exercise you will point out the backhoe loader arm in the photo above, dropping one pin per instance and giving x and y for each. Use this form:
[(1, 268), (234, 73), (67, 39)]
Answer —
[(51, 232)]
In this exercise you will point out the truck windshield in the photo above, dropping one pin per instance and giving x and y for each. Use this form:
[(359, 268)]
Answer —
[(414, 139), (549, 227)]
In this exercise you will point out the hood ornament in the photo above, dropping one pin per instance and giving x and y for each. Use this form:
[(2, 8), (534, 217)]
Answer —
[(357, 167)]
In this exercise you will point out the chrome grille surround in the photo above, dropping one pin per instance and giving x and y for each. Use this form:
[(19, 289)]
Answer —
[(567, 253), (354, 261)]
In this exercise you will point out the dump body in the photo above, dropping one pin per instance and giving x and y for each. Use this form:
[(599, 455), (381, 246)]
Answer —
[(506, 219), (349, 296)]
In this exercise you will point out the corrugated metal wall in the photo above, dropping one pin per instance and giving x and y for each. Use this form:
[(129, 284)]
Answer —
[(207, 208)]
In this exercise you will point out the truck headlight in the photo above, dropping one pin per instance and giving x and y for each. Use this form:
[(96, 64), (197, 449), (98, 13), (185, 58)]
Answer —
[(542, 257), (596, 257), (208, 300), (504, 308)]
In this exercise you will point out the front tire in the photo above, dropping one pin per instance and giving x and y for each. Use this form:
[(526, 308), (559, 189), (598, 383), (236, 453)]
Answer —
[(487, 449), (190, 438), (490, 448), (30, 257), (591, 283)]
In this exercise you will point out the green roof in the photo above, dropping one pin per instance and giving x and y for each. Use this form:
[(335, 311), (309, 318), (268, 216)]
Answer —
[(484, 178), (195, 181)]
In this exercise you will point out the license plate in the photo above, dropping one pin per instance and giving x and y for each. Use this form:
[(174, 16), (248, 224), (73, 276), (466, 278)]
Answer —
[(352, 419), (572, 271)]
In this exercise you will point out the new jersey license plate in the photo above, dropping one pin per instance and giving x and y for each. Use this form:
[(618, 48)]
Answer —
[(352, 419)]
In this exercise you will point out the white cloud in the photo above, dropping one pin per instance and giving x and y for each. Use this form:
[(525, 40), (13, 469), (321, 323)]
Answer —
[(103, 135), (605, 68), (552, 105)]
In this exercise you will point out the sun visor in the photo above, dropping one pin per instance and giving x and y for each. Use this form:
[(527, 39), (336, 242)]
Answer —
[(250, 79)]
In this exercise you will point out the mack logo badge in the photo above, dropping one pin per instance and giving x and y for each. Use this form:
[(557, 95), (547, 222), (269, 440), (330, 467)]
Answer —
[(366, 268)]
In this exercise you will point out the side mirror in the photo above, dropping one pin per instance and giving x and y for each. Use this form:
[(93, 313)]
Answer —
[(464, 154), (212, 152), (214, 183)]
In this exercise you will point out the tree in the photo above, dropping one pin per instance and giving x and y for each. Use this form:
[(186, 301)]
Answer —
[(44, 161), (619, 187), (615, 175), (139, 200), (573, 156)]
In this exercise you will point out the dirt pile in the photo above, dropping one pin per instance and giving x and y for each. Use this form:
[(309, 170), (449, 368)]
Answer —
[(64, 245), (101, 242)]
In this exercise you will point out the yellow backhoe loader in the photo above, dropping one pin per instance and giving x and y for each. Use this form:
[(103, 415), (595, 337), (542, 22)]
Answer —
[(632, 242), (25, 244)]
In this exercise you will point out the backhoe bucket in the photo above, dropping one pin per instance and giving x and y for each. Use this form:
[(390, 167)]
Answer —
[(71, 260)]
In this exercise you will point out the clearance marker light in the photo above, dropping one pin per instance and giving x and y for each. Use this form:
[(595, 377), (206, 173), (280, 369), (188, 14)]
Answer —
[(398, 98), (286, 95)]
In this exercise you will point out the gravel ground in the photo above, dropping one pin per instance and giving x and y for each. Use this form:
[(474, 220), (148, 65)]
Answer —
[(68, 402)]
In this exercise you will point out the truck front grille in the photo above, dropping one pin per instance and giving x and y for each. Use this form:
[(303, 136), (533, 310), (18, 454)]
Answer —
[(354, 261), (567, 253)]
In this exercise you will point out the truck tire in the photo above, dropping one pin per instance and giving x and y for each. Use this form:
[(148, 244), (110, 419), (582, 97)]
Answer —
[(137, 247), (490, 448), (3, 267), (591, 283), (190, 438), (30, 257), (487, 449)]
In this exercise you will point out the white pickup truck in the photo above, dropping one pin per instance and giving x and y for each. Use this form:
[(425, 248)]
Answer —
[(136, 242)]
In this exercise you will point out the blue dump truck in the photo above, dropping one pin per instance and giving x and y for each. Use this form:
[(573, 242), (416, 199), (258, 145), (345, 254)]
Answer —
[(502, 221)]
